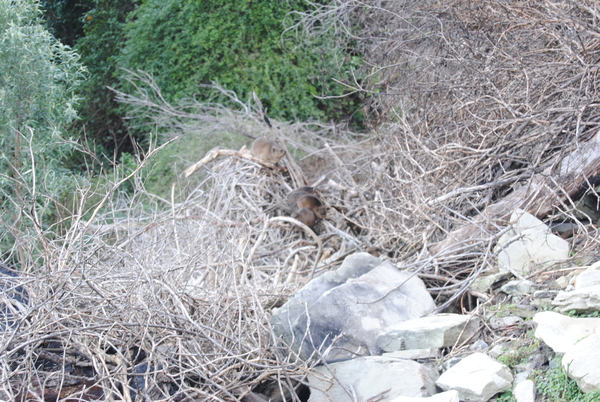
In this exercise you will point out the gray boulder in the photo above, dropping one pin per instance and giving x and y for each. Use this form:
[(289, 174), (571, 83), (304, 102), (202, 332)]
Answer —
[(477, 378), (351, 305), (367, 377)]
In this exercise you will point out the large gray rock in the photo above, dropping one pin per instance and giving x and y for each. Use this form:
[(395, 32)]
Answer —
[(366, 377), (438, 331), (529, 243), (351, 305), (560, 332), (582, 300), (477, 378), (581, 362)]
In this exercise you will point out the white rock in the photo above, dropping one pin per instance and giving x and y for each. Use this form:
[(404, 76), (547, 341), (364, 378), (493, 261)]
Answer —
[(431, 332), (448, 396), (522, 376), (589, 277), (477, 378), (369, 376), (524, 391), (581, 362), (561, 332), (535, 244), (582, 300)]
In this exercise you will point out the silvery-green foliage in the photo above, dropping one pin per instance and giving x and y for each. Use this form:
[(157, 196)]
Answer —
[(38, 80)]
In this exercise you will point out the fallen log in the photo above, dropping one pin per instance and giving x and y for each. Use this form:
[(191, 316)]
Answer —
[(564, 178)]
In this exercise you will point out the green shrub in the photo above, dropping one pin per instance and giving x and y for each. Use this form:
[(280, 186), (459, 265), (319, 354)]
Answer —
[(37, 98), (239, 45)]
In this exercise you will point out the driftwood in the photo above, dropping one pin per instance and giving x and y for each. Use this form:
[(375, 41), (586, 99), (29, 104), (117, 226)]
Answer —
[(290, 165), (243, 153), (561, 180)]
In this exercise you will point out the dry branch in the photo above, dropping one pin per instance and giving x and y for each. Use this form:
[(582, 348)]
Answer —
[(564, 178), (216, 153), (478, 108)]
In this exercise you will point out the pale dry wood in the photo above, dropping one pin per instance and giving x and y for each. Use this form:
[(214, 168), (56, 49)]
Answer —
[(561, 180)]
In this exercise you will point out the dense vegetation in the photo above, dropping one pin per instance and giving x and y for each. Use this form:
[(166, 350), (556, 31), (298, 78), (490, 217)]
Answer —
[(52, 106), (241, 45), (38, 97)]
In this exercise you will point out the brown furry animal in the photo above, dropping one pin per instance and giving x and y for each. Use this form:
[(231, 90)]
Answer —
[(299, 192), (311, 202), (306, 216), (267, 150)]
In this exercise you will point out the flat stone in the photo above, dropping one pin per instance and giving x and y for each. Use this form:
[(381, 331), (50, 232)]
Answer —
[(580, 362), (438, 331), (517, 288), (560, 332), (477, 378), (368, 377), (529, 243), (582, 300)]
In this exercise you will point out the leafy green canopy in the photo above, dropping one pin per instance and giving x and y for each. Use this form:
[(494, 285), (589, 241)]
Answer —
[(239, 45), (38, 80)]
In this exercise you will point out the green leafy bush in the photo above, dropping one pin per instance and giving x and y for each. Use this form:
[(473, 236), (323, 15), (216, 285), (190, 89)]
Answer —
[(239, 45), (37, 98)]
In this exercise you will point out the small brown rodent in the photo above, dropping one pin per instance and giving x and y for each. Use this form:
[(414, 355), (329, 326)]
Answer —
[(267, 150), (311, 202), (299, 192), (306, 216)]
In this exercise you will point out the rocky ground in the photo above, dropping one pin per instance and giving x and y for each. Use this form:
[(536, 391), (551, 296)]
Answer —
[(535, 322)]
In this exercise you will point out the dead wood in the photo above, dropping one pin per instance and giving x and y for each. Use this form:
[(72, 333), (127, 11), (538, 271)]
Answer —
[(564, 177)]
